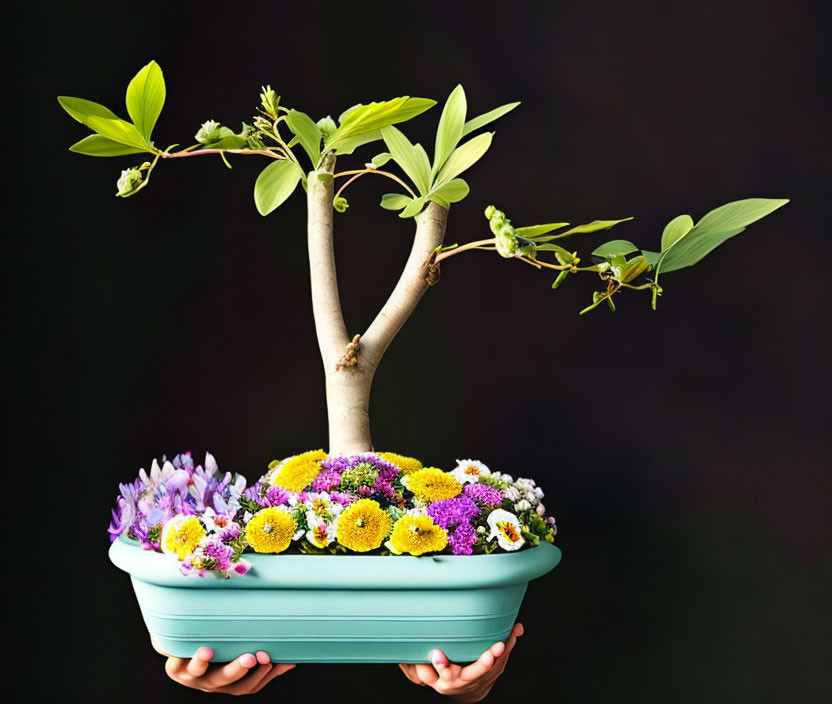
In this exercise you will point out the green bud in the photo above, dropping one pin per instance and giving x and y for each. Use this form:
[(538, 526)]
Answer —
[(269, 101), (129, 182), (340, 204), (561, 277), (209, 132), (489, 212), (327, 126), (611, 304)]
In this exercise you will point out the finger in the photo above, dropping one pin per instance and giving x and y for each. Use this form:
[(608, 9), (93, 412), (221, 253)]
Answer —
[(198, 664), (175, 668), (426, 674), (232, 672), (263, 657), (249, 683), (278, 669), (442, 665), (482, 665)]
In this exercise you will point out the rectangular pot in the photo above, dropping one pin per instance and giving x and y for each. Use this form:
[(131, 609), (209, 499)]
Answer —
[(336, 608)]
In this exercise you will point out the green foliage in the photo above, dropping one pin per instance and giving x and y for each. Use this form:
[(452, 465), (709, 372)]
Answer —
[(682, 245), (145, 98), (716, 227), (96, 145), (362, 124), (275, 184), (437, 182), (308, 134)]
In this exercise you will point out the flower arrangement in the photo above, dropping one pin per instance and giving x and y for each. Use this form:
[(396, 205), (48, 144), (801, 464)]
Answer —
[(311, 503)]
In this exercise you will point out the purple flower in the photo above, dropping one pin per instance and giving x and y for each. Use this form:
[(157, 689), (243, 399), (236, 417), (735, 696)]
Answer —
[(483, 493), (327, 479), (276, 496), (219, 552), (229, 533), (451, 512), (462, 539)]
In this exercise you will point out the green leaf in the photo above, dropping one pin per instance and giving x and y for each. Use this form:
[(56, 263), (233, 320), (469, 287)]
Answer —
[(146, 97), (451, 192), (675, 230), (487, 117), (275, 184), (380, 160), (691, 249), (716, 227), (347, 146), (406, 155), (394, 201), (450, 127), (634, 268), (615, 248), (464, 157), (105, 122), (413, 208), (652, 258), (362, 120), (537, 230), (594, 226), (96, 145), (231, 141), (307, 132), (740, 213)]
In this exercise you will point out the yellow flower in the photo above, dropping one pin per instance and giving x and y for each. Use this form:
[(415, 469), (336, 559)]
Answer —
[(417, 535), (432, 484), (297, 472), (181, 534), (270, 530), (363, 525), (407, 465)]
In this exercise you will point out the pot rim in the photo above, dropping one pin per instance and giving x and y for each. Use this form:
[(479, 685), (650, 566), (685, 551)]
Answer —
[(347, 571)]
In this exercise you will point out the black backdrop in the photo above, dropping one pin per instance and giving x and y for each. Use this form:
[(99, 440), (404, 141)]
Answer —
[(683, 452)]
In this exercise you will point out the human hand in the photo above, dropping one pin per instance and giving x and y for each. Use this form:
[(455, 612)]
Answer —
[(468, 684), (235, 677)]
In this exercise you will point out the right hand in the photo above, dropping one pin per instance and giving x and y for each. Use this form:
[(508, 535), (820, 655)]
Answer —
[(236, 677)]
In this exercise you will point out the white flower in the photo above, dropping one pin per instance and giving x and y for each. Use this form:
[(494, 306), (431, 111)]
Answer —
[(507, 478), (538, 492), (522, 505), (321, 532), (320, 504), (418, 511), (524, 484), (469, 471), (531, 497), (215, 521), (506, 528), (512, 493)]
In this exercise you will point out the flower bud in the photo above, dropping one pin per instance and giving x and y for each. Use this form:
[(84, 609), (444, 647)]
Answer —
[(129, 181), (340, 204), (209, 132), (489, 212)]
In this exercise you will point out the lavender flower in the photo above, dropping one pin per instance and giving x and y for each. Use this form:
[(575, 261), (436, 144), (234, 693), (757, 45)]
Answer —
[(483, 493), (462, 539), (451, 512)]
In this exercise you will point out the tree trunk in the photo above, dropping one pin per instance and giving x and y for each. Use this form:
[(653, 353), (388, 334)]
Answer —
[(349, 368)]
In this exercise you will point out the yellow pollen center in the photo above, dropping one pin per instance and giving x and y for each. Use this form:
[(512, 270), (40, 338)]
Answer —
[(509, 531)]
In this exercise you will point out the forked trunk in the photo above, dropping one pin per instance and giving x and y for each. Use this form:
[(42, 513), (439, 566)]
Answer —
[(349, 366)]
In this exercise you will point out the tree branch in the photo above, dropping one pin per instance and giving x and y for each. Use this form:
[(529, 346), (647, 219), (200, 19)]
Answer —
[(430, 233), (326, 303)]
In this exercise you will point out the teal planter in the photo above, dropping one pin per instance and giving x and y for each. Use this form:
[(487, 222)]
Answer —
[(336, 608)]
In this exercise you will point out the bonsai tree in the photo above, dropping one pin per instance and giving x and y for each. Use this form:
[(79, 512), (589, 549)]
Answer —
[(303, 151)]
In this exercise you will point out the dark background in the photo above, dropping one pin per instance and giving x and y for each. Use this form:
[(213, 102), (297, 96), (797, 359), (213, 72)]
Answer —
[(683, 451)]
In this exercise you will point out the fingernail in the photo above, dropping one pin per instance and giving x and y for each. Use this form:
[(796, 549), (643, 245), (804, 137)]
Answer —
[(248, 660), (263, 657), (205, 653)]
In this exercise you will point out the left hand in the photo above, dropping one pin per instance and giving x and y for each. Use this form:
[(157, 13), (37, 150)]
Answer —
[(468, 684)]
